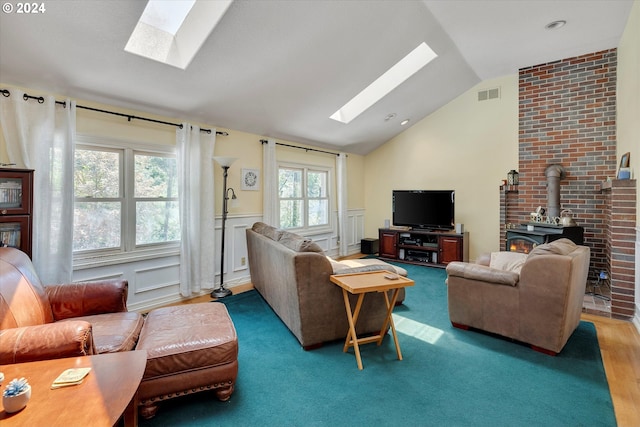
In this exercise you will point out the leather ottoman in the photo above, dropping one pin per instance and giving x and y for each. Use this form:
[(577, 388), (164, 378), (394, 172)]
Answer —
[(190, 348)]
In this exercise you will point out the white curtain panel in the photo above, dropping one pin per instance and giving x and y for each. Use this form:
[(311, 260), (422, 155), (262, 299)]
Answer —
[(270, 181), (196, 199), (41, 137), (341, 172)]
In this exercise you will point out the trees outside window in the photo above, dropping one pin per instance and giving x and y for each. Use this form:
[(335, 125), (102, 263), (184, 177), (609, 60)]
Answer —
[(156, 199), (98, 206), (303, 197), (124, 199)]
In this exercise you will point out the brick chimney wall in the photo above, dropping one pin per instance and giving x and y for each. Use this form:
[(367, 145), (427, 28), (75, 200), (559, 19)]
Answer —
[(620, 209), (567, 116)]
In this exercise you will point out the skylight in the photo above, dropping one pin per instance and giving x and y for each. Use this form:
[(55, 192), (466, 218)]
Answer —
[(166, 15), (383, 85), (172, 31)]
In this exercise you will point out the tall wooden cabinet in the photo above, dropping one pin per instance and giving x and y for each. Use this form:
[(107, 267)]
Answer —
[(434, 248), (16, 208)]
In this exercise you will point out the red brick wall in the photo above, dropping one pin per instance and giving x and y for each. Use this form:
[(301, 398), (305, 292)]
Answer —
[(620, 228), (567, 116)]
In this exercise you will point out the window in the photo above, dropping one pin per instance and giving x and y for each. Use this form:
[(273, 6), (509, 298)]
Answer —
[(303, 196), (97, 211), (125, 199)]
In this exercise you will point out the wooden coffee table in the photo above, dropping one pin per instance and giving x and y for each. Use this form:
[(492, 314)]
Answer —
[(108, 392), (361, 284)]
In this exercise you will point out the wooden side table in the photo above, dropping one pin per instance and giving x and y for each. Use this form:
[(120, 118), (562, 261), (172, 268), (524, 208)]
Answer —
[(106, 393), (361, 284)]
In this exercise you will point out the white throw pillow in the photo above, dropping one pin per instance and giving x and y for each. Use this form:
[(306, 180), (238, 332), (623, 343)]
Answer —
[(508, 261)]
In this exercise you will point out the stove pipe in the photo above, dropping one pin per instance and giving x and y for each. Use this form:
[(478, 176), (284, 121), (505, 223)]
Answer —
[(554, 174)]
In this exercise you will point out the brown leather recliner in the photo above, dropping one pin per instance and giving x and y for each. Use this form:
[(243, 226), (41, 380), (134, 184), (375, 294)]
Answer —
[(536, 299), (79, 319)]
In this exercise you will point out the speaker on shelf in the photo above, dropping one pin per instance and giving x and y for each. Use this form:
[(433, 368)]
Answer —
[(387, 223), (459, 228)]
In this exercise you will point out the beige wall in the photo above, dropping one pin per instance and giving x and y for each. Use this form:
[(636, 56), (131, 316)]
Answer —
[(468, 146), (628, 95), (109, 126), (355, 179)]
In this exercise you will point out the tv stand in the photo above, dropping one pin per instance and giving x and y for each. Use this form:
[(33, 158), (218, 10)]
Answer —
[(423, 247), (431, 230)]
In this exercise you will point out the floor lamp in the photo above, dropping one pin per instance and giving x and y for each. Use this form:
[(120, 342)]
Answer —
[(225, 162)]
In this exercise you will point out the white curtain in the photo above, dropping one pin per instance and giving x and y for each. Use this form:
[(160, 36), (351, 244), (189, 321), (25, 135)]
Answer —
[(196, 196), (270, 190), (341, 178), (41, 136)]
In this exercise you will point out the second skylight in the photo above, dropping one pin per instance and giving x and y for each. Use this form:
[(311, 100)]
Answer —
[(383, 85)]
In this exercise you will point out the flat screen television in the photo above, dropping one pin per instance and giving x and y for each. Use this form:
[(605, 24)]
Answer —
[(427, 209)]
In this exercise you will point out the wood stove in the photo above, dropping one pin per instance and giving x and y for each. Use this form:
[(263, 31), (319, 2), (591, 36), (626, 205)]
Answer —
[(523, 240)]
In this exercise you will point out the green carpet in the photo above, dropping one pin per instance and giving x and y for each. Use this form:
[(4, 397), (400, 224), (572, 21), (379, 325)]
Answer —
[(448, 377)]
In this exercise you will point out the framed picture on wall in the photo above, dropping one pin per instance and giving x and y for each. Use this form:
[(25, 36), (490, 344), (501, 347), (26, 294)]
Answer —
[(624, 160), (624, 171), (250, 179)]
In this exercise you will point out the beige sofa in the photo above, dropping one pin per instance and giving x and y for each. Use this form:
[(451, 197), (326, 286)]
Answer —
[(292, 275), (536, 298)]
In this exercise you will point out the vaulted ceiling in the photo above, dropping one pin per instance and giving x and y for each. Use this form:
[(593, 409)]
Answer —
[(280, 68)]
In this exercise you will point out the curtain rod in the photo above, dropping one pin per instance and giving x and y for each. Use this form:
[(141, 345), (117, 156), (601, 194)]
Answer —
[(264, 141), (129, 117)]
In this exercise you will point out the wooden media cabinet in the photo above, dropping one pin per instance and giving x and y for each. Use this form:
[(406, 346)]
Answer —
[(422, 247)]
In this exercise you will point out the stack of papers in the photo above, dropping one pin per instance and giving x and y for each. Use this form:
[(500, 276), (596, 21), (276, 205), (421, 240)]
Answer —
[(70, 377)]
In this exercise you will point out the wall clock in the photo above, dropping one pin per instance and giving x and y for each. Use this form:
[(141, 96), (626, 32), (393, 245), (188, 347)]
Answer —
[(250, 179)]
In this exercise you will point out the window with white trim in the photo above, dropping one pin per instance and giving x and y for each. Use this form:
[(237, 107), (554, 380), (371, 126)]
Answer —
[(303, 195), (125, 199)]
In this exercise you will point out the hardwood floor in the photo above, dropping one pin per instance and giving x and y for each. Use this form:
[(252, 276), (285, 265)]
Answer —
[(620, 348)]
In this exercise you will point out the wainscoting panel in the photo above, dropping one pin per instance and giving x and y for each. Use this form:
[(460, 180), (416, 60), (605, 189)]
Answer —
[(115, 275), (358, 227), (239, 251), (356, 230), (324, 241), (157, 277), (154, 282), (352, 233), (236, 262), (333, 244)]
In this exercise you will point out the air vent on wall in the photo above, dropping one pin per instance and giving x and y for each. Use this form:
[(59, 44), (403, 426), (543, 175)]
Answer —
[(486, 94)]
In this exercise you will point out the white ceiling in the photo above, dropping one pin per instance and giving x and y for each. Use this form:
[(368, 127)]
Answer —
[(280, 68)]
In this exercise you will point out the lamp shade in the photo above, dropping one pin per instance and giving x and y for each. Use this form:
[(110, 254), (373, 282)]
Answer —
[(225, 161), (512, 177)]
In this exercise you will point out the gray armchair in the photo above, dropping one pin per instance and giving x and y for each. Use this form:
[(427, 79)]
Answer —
[(536, 298)]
